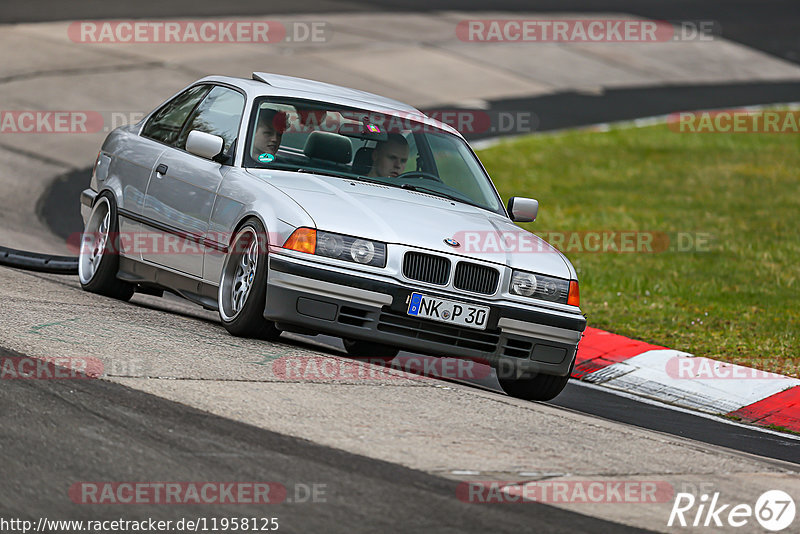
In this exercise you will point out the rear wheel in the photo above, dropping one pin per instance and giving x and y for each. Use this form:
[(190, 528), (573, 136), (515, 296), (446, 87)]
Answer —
[(98, 260), (370, 350), (243, 286)]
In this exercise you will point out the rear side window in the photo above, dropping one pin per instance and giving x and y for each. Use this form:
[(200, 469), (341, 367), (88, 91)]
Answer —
[(165, 125), (220, 113)]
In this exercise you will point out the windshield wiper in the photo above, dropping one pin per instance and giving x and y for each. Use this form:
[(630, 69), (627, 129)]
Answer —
[(372, 181), (293, 167), (320, 171), (417, 188)]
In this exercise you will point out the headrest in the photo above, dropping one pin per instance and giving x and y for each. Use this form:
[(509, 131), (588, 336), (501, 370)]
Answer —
[(329, 146), (362, 162)]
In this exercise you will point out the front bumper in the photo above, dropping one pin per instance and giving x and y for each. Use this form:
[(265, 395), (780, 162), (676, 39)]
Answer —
[(518, 340)]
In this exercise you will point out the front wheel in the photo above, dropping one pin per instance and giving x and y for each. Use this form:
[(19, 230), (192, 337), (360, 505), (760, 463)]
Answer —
[(243, 286), (537, 388), (98, 260)]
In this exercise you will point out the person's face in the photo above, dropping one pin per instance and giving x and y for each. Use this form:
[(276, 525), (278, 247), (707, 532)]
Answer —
[(389, 160), (267, 139)]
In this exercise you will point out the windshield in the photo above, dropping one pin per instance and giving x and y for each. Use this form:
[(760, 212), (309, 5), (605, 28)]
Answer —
[(389, 148)]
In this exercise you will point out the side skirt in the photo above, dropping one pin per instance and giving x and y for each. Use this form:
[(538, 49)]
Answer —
[(150, 277)]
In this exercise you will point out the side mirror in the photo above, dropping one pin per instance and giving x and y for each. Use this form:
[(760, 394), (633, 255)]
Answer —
[(523, 209), (203, 144)]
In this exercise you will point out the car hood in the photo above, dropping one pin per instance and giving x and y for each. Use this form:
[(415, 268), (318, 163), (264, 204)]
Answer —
[(400, 216)]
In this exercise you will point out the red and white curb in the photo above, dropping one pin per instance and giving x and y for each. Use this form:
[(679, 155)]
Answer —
[(684, 380)]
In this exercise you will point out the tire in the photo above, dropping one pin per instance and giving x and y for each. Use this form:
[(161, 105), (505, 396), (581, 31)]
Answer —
[(537, 388), (243, 286), (370, 350), (98, 260)]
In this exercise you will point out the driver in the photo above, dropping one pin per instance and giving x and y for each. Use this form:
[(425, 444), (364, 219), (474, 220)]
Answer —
[(389, 157)]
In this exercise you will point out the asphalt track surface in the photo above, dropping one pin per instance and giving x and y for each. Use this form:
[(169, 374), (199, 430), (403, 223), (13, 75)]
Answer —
[(124, 435), (115, 431), (607, 405), (768, 25)]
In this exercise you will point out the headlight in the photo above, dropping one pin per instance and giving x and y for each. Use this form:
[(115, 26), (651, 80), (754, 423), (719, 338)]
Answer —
[(539, 286), (523, 284), (362, 251), (340, 247), (330, 245)]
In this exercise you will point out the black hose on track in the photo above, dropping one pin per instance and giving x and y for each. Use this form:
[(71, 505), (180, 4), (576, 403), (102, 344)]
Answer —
[(34, 261)]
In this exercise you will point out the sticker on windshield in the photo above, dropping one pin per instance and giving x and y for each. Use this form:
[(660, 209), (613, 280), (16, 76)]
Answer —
[(372, 128), (266, 157)]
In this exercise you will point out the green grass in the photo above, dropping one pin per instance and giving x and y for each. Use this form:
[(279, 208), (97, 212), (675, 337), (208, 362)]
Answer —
[(738, 301)]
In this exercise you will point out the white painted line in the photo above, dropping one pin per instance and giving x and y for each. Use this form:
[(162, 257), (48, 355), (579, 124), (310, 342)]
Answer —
[(661, 404), (700, 383)]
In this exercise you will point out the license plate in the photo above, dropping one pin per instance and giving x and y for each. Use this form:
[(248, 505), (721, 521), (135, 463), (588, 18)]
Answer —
[(448, 311)]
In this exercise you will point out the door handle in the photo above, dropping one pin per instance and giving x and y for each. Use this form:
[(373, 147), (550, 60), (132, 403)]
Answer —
[(161, 170)]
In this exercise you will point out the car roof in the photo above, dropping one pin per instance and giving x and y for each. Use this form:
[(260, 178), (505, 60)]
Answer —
[(268, 84)]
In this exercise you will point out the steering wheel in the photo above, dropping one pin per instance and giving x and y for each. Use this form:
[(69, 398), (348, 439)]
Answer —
[(420, 174)]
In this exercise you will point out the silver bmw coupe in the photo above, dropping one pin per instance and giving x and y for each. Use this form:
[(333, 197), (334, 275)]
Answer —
[(293, 205)]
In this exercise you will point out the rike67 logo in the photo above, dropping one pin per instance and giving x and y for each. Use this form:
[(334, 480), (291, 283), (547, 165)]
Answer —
[(774, 510)]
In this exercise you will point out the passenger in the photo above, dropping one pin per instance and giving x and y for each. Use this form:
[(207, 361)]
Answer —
[(389, 157), (269, 132)]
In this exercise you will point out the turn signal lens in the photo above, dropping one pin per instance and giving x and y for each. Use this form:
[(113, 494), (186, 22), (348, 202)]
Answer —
[(574, 298), (302, 240)]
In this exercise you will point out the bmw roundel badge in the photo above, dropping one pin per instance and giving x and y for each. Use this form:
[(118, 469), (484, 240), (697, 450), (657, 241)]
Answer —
[(452, 242)]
